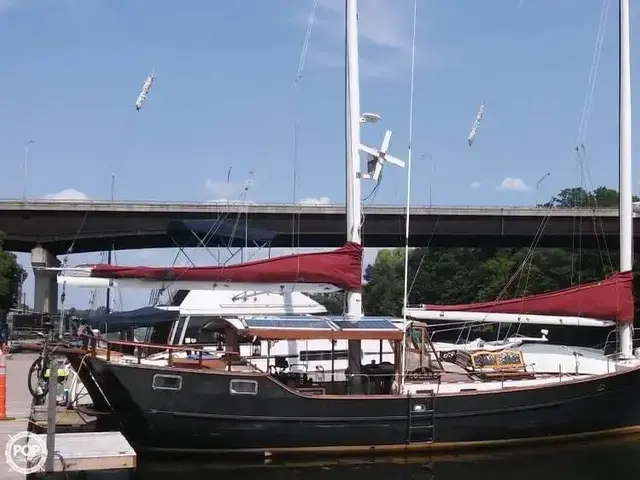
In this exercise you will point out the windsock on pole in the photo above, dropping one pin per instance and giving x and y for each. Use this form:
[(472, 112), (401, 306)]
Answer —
[(474, 127), (142, 98)]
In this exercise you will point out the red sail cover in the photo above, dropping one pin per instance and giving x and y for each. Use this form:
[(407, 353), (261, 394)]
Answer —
[(341, 267), (608, 299)]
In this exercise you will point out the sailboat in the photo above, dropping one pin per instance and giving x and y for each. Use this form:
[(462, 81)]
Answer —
[(227, 405)]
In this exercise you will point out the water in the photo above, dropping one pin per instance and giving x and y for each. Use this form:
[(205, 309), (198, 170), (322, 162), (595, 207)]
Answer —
[(602, 460)]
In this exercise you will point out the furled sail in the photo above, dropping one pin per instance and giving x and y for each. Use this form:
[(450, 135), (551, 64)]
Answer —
[(341, 267), (611, 298)]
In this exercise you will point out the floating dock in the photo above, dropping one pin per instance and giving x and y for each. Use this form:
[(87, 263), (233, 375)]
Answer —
[(91, 451), (77, 451)]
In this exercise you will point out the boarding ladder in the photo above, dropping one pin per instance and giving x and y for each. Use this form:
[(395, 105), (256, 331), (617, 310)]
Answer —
[(421, 424)]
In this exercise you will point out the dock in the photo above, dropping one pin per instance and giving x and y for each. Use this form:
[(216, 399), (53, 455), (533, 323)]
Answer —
[(76, 448), (83, 452)]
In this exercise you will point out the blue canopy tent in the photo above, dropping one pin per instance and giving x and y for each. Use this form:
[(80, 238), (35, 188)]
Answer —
[(141, 317), (213, 233)]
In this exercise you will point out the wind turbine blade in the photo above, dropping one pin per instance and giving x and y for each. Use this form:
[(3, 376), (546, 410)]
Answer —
[(371, 151), (394, 160), (386, 141)]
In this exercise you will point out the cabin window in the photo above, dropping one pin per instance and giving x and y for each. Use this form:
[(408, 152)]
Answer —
[(204, 330), (166, 382), (243, 387), (320, 355)]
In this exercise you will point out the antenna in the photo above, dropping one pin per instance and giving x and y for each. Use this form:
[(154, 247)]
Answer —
[(403, 359)]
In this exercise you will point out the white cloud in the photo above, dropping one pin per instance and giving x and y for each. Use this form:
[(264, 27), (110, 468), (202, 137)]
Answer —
[(316, 200), (476, 184), (226, 191), (67, 194), (379, 67), (384, 28), (384, 23), (514, 184)]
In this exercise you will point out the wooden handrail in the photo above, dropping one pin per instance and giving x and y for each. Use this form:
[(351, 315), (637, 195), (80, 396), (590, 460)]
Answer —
[(153, 345), (93, 341)]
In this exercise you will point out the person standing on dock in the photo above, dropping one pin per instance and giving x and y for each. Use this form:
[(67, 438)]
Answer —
[(84, 332)]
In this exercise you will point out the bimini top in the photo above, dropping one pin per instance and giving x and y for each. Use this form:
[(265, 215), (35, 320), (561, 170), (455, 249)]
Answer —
[(142, 317), (215, 232), (322, 328)]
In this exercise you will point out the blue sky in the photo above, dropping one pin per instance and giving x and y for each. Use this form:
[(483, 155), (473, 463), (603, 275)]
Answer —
[(224, 95)]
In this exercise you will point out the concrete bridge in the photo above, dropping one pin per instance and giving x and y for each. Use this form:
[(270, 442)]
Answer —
[(53, 226)]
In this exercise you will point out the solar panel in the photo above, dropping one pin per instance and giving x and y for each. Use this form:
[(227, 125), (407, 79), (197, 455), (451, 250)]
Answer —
[(366, 324), (291, 323)]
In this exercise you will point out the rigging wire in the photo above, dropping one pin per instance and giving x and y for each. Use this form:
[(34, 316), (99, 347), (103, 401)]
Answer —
[(65, 262), (585, 171), (593, 74), (408, 213), (295, 224), (583, 165), (586, 180)]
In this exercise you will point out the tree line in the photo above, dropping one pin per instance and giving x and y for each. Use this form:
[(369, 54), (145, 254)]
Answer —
[(12, 276)]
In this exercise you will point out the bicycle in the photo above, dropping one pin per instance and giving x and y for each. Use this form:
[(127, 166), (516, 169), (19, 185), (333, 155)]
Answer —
[(37, 380)]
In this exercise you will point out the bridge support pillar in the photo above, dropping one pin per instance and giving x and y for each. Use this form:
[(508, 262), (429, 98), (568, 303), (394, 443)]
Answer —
[(45, 295)]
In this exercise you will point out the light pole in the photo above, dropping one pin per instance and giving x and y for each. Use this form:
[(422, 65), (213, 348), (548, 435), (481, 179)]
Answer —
[(24, 166), (542, 179)]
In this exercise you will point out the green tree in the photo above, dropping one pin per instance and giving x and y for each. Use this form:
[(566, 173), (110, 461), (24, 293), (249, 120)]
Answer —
[(333, 302), (384, 284), (464, 275), (578, 197), (12, 276)]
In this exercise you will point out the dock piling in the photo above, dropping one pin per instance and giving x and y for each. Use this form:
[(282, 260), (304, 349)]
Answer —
[(51, 413)]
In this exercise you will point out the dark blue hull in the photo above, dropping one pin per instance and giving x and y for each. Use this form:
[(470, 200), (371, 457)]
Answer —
[(204, 415)]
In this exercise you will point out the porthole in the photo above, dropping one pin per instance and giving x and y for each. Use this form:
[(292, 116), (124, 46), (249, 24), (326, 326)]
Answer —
[(243, 387), (166, 382)]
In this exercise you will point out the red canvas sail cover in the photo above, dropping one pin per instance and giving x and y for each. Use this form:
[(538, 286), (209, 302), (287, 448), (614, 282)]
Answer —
[(341, 267), (608, 299)]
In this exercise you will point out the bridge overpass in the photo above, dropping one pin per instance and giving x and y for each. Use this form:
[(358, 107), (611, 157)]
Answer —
[(97, 225), (47, 228)]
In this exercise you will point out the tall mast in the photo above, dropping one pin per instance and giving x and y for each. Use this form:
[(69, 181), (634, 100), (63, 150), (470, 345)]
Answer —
[(354, 298), (625, 332), (109, 253)]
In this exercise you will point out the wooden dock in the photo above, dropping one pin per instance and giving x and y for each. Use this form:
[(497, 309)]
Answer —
[(84, 451), (92, 451)]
